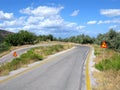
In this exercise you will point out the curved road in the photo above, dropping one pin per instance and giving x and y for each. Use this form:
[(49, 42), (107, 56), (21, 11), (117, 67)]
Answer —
[(64, 72), (9, 57)]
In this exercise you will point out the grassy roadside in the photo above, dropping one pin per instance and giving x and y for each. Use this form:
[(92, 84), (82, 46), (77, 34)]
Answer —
[(112, 63), (108, 63), (35, 54), (5, 49), (11, 48)]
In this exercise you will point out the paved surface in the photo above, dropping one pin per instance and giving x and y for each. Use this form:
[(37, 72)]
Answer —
[(64, 72), (9, 57)]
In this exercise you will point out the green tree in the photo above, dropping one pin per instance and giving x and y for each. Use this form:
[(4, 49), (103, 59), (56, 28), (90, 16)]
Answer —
[(112, 38), (21, 38), (50, 37)]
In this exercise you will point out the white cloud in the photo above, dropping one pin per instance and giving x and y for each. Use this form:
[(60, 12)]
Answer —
[(42, 20), (26, 10), (13, 23), (42, 11), (49, 20), (110, 12), (80, 27), (34, 20), (13, 29), (109, 21), (75, 13), (52, 22), (6, 16), (92, 22), (113, 26)]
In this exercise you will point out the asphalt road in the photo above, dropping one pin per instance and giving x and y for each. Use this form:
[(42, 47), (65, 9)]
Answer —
[(9, 57), (64, 72)]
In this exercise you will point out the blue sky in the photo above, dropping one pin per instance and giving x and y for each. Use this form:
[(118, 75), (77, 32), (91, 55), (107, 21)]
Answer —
[(62, 18)]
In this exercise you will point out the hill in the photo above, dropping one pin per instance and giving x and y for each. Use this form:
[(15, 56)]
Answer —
[(3, 34)]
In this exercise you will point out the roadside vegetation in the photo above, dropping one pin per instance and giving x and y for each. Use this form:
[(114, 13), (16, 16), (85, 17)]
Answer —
[(81, 39), (112, 63), (21, 38), (33, 55), (27, 38), (112, 39), (108, 63), (3, 34), (4, 47)]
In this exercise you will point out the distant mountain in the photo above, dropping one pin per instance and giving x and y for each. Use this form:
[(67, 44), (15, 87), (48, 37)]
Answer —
[(3, 34)]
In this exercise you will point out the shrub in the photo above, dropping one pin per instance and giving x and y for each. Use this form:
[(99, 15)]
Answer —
[(21, 38), (36, 57), (107, 64), (4, 47)]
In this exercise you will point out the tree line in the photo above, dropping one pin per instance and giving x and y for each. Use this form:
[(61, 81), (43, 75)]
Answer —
[(21, 38), (112, 38), (82, 39), (24, 37)]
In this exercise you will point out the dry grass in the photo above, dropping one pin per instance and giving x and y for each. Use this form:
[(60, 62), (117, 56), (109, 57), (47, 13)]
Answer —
[(102, 54), (109, 79), (41, 50)]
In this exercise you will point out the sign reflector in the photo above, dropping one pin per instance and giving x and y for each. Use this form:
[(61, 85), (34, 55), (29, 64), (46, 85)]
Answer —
[(104, 45), (15, 54)]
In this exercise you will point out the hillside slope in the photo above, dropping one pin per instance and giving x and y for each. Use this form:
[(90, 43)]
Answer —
[(3, 34)]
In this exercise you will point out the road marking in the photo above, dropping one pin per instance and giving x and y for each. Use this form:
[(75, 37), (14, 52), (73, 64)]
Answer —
[(88, 83)]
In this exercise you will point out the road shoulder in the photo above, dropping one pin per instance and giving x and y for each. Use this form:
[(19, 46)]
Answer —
[(90, 80)]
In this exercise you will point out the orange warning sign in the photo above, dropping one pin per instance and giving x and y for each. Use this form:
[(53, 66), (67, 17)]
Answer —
[(104, 45), (15, 54)]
